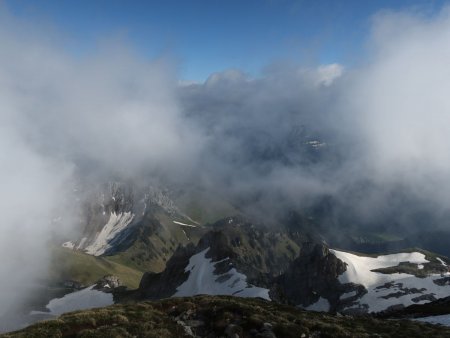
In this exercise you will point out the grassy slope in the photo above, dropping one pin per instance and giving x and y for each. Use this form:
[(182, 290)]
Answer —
[(211, 316), (205, 207), (150, 252), (74, 265)]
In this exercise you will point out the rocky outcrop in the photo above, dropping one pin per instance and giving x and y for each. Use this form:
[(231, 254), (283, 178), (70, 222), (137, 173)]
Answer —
[(164, 284), (236, 249), (261, 253), (312, 275), (108, 283)]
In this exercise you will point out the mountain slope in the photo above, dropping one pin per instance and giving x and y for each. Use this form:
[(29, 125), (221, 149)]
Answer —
[(139, 226), (234, 255), (239, 258), (86, 269)]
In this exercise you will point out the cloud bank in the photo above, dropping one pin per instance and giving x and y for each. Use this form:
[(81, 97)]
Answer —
[(382, 129), (399, 110), (65, 118)]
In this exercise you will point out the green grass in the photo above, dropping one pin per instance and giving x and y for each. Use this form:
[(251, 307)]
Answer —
[(68, 264), (211, 316), (205, 207), (151, 251), (142, 258)]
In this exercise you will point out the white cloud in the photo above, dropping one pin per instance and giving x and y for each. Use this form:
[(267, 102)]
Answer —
[(329, 73), (109, 113)]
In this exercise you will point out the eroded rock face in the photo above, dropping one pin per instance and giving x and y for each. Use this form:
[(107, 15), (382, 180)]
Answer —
[(259, 252), (237, 251), (312, 275), (164, 284), (111, 213)]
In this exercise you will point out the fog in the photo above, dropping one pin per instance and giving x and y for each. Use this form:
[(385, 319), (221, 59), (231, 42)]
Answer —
[(384, 124), (374, 137), (398, 109), (65, 118)]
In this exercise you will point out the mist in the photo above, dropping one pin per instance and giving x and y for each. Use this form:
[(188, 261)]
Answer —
[(398, 110), (382, 127), (373, 137), (66, 118)]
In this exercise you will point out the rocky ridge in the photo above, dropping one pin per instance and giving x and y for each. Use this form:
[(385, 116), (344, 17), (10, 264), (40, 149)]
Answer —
[(297, 271), (220, 316)]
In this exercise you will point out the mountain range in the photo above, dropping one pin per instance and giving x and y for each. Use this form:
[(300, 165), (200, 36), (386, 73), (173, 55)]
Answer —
[(161, 243)]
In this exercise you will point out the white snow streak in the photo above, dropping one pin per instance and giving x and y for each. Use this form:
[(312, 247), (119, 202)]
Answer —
[(187, 225), (442, 262), (81, 244), (116, 223)]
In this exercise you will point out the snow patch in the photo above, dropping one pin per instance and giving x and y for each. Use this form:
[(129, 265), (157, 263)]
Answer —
[(202, 280), (359, 267), (184, 232), (359, 271), (322, 305), (80, 300), (348, 294), (442, 319), (116, 223)]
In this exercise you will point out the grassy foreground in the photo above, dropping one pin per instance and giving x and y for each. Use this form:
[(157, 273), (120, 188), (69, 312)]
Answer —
[(216, 316)]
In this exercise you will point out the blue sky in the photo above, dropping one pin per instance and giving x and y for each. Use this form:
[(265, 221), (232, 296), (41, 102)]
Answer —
[(209, 36)]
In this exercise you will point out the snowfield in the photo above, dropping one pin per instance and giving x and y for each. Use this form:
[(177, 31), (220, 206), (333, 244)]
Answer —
[(379, 296), (322, 305), (102, 241), (79, 300), (348, 295), (116, 223), (442, 319), (202, 280)]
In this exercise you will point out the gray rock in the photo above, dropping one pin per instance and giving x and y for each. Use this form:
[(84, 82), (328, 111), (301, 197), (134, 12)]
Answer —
[(187, 329), (108, 283), (233, 331), (312, 275)]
